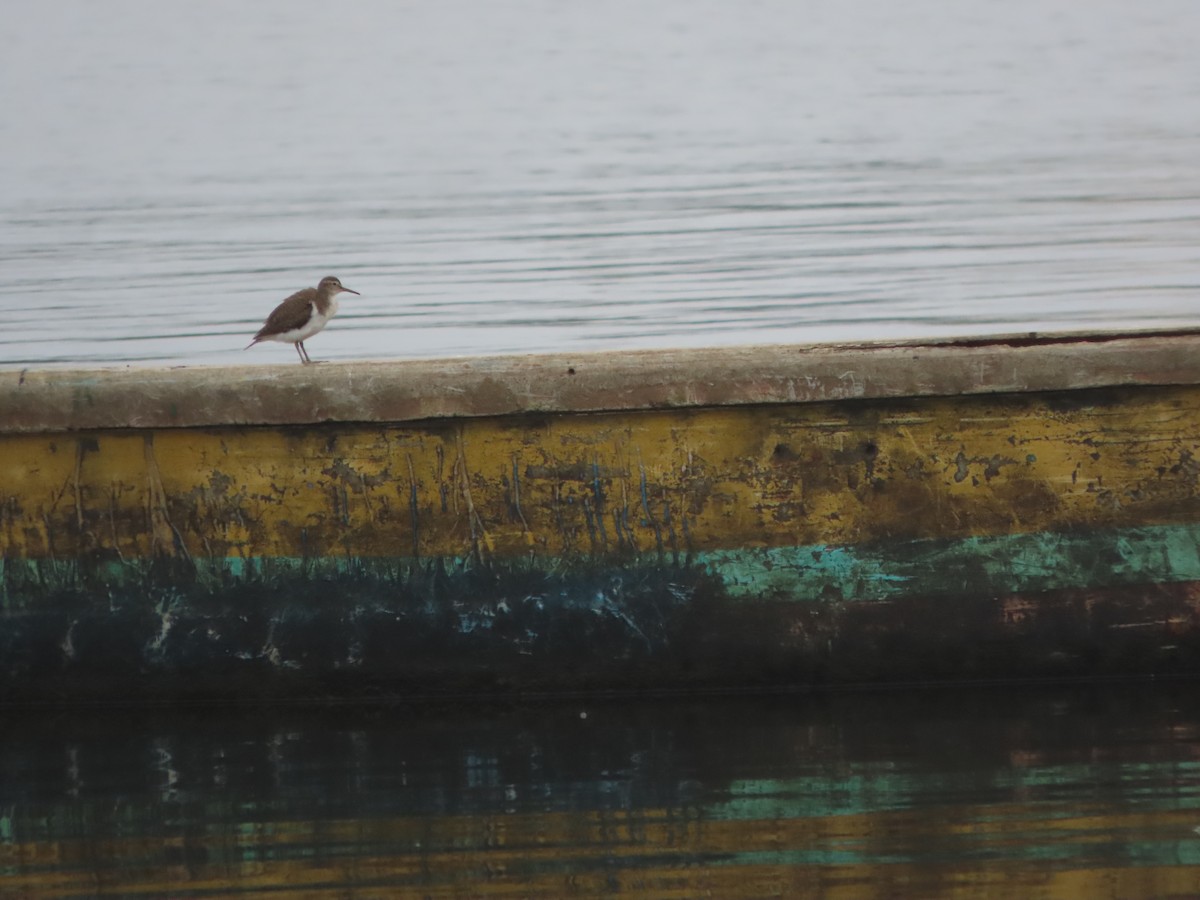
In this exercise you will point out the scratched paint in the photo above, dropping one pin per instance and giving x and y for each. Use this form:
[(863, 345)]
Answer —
[(989, 564), (996, 564), (744, 544), (350, 628), (604, 486)]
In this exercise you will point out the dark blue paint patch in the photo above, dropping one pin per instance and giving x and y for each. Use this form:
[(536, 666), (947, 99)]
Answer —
[(434, 628)]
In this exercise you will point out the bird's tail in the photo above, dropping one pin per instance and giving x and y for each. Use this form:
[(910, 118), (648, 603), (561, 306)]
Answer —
[(251, 344)]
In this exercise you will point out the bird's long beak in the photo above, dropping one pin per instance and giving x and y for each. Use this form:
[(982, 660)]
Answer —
[(348, 291)]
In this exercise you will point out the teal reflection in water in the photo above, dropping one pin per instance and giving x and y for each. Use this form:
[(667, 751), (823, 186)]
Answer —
[(988, 792)]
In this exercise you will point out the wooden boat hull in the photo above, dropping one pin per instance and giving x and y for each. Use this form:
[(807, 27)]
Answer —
[(154, 546)]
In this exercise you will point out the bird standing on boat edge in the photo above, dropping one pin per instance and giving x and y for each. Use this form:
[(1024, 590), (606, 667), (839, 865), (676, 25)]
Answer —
[(302, 315)]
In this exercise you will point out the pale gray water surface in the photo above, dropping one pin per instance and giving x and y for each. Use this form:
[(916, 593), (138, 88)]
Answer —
[(539, 175)]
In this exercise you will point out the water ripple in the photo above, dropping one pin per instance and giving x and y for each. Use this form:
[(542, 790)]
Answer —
[(582, 186)]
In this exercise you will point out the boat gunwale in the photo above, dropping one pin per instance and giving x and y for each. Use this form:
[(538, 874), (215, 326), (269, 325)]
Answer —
[(63, 400)]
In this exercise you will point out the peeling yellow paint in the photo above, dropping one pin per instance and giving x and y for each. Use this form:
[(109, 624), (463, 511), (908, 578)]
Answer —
[(613, 483)]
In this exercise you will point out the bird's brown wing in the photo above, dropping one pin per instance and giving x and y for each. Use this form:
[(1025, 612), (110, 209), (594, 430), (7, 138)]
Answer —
[(291, 313)]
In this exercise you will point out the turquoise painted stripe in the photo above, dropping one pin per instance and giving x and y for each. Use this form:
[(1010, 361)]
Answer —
[(992, 565), (996, 564)]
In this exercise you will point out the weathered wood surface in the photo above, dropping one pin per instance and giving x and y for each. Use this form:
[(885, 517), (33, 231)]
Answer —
[(604, 485), (41, 401), (731, 530)]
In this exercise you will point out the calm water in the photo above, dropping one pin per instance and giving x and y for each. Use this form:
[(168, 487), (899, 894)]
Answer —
[(989, 793), (534, 175)]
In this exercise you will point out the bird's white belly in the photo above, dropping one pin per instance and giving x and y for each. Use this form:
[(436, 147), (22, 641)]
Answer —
[(315, 323), (311, 327)]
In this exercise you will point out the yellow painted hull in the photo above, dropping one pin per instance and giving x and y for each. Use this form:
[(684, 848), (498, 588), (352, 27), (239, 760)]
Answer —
[(701, 542), (588, 484)]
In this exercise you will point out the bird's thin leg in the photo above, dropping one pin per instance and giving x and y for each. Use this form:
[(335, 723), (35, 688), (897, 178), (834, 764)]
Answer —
[(300, 351)]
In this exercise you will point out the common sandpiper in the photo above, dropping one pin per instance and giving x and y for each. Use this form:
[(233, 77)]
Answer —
[(302, 315)]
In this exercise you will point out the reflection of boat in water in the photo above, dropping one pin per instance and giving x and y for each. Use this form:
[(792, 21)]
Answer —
[(690, 518), (853, 794)]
